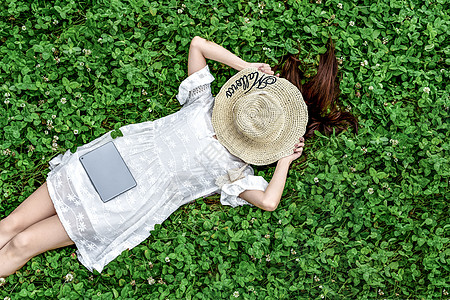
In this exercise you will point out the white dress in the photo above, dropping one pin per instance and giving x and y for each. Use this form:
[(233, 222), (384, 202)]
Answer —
[(174, 160)]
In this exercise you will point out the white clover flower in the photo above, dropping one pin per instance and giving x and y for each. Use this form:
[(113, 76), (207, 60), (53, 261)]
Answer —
[(395, 159), (236, 294), (75, 131), (150, 110), (354, 182), (370, 87), (180, 10), (151, 281), (57, 60), (183, 5), (53, 116), (267, 236), (316, 278), (167, 259), (316, 180), (389, 154), (351, 23), (339, 5), (297, 259), (150, 264), (320, 287), (55, 22), (385, 40), (6, 101), (393, 142), (68, 277), (279, 221), (24, 27), (144, 92), (377, 65), (252, 220), (63, 100), (3, 280), (246, 20), (81, 63), (6, 298), (370, 191), (293, 252), (364, 149), (268, 257), (365, 43), (99, 40), (322, 296), (380, 292), (22, 105), (261, 11), (365, 62), (38, 66), (444, 292), (318, 1), (88, 69), (45, 132), (426, 90), (7, 95)]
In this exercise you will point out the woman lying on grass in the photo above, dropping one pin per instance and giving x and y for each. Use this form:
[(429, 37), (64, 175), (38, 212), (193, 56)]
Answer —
[(205, 148)]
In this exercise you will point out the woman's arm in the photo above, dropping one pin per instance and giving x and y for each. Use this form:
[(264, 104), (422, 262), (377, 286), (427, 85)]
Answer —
[(201, 49), (270, 198)]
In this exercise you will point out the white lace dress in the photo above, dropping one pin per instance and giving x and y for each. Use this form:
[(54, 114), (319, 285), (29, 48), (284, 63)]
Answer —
[(174, 160)]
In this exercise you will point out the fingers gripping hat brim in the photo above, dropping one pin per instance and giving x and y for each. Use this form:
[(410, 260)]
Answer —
[(258, 117)]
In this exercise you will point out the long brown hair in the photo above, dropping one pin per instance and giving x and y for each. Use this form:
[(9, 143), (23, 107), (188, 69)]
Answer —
[(320, 93)]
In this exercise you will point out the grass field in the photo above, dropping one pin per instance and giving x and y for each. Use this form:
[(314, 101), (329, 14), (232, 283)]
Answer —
[(362, 216)]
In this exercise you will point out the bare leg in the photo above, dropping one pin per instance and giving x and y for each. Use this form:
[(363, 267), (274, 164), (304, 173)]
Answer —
[(45, 235), (35, 208)]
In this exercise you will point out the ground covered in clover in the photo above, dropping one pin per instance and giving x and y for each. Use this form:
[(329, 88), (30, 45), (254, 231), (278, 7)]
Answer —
[(362, 216)]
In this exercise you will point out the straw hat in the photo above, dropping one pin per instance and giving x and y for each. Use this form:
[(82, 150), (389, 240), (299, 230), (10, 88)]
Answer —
[(259, 117)]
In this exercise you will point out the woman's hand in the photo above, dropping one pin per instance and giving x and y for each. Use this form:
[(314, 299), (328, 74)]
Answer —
[(298, 150), (265, 68)]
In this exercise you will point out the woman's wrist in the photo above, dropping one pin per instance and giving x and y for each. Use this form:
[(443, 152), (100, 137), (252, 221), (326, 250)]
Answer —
[(285, 160), (243, 65)]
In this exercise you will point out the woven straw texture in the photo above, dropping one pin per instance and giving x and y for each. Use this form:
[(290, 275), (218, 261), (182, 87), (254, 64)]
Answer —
[(258, 117)]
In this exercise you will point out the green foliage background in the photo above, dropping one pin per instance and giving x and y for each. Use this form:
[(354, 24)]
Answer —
[(362, 216)]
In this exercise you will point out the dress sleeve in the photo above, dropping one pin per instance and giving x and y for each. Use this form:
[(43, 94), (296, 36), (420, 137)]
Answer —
[(196, 86), (230, 191)]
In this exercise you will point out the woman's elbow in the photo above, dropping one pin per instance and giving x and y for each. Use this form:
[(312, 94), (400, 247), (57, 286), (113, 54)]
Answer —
[(270, 204)]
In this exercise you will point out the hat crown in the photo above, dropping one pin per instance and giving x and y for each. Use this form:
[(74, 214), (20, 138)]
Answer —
[(256, 116)]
